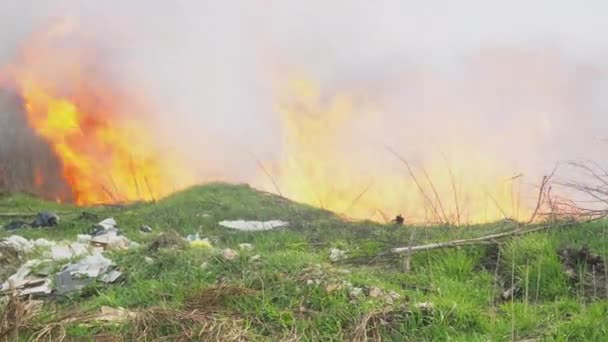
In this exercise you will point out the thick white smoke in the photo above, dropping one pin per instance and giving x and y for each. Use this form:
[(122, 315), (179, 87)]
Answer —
[(522, 82)]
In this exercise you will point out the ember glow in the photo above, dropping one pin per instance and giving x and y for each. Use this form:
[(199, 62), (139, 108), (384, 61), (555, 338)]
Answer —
[(107, 152)]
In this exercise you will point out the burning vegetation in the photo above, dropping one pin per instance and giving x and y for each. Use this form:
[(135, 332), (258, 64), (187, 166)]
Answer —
[(96, 130)]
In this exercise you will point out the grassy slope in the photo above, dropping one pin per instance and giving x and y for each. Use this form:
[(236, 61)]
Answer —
[(281, 305)]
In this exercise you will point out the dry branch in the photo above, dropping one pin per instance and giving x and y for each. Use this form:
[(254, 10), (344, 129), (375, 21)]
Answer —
[(474, 241)]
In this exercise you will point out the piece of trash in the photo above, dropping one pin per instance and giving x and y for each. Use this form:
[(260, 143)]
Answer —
[(391, 297), (66, 283), (201, 244), (16, 225), (111, 276), (107, 224), (84, 238), (111, 240), (255, 258), (91, 266), (356, 292), (44, 243), (19, 243), (333, 287), (145, 229), (399, 219), (230, 254), (75, 249), (24, 284), (114, 315), (149, 260), (46, 219), (375, 292), (336, 254), (245, 246), (253, 225), (425, 307)]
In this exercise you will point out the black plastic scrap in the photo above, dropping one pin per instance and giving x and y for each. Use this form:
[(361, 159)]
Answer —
[(46, 219), (43, 219)]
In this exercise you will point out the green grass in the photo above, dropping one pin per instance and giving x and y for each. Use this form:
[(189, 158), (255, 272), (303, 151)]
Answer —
[(294, 291)]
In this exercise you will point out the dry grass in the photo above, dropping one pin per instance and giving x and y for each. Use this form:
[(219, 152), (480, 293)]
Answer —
[(369, 327), (16, 315), (214, 298), (163, 324)]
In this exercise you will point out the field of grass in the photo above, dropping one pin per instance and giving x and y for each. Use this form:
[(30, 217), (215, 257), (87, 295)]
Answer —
[(293, 292)]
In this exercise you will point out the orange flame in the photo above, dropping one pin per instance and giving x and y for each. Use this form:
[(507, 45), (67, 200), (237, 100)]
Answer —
[(103, 142), (327, 163)]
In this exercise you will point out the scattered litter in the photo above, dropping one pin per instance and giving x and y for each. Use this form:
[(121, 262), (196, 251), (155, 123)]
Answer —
[(245, 246), (114, 315), (26, 284), (66, 283), (336, 254), (107, 224), (255, 258), (75, 249), (46, 219), (333, 287), (84, 238), (91, 266), (111, 277), (399, 219), (19, 243), (196, 241), (391, 297), (230, 254), (16, 225), (356, 292), (253, 225), (44, 243), (145, 229), (111, 240), (375, 292), (425, 307)]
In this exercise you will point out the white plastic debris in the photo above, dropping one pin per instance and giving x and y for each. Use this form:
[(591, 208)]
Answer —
[(19, 243), (375, 292), (253, 225), (111, 240), (255, 258), (107, 224), (356, 292), (44, 243), (245, 246), (84, 238), (336, 254), (110, 276), (91, 266), (22, 279), (75, 249)]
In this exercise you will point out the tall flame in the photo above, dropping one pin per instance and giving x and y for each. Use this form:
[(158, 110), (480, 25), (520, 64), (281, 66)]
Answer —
[(327, 163), (102, 140)]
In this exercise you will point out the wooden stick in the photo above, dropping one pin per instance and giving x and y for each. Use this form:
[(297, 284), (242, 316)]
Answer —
[(474, 241)]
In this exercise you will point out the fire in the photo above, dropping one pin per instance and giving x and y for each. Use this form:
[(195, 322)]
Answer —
[(101, 138), (327, 162)]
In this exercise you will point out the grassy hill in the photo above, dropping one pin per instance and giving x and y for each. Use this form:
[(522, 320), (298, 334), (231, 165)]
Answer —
[(287, 289)]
